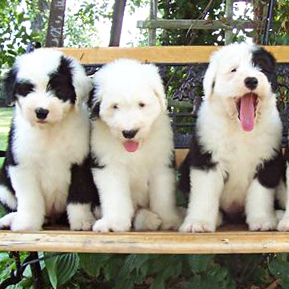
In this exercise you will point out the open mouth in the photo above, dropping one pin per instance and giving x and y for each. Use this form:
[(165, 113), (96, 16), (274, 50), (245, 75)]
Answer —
[(246, 107)]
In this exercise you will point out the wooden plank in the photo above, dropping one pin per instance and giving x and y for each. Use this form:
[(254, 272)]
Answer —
[(180, 155), (221, 242), (158, 54)]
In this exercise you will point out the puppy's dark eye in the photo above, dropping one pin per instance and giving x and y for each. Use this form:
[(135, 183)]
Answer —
[(141, 104), (115, 106), (234, 70), (23, 88)]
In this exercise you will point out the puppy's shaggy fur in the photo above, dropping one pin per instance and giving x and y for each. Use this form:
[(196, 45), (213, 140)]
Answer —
[(132, 147), (46, 169), (235, 163)]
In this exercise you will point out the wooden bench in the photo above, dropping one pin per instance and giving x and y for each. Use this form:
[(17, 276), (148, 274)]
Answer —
[(228, 239)]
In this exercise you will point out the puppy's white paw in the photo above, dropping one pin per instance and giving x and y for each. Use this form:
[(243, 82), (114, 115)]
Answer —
[(83, 222), (80, 217), (198, 226), (283, 225), (115, 225), (171, 222), (265, 223), (146, 220), (6, 221), (26, 222)]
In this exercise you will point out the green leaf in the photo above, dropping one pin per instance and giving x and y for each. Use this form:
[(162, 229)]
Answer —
[(61, 268), (280, 269), (158, 283), (92, 263), (199, 263), (51, 268), (199, 282)]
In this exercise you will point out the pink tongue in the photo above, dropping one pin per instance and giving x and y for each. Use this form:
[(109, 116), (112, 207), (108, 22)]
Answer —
[(247, 112), (131, 146)]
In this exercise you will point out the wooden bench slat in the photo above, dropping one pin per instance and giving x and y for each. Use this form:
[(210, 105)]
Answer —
[(221, 242), (158, 54)]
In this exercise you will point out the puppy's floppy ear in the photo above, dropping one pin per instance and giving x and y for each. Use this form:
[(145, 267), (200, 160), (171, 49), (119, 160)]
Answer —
[(94, 103), (81, 82), (9, 85), (210, 78), (157, 85)]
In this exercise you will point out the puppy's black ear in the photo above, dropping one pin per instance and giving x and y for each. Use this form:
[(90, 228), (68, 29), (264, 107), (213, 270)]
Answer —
[(9, 85), (267, 63), (93, 104)]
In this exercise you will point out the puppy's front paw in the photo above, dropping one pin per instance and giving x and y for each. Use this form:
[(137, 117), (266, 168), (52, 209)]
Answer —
[(283, 225), (265, 223), (146, 220), (82, 223), (26, 222), (115, 225), (172, 222), (6, 221), (198, 226)]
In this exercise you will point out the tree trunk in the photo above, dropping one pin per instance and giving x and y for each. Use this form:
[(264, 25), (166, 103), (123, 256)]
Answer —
[(118, 13), (54, 37)]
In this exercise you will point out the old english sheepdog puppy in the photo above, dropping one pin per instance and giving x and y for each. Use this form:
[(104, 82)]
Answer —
[(235, 162), (132, 149), (46, 169)]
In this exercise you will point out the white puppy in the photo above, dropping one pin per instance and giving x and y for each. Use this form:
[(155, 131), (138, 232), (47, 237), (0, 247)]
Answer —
[(132, 148), (235, 163), (46, 169)]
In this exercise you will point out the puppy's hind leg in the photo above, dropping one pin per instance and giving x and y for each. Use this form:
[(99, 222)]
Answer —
[(146, 220), (82, 197)]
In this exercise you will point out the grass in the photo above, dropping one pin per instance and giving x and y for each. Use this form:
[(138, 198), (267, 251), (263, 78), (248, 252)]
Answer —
[(5, 120)]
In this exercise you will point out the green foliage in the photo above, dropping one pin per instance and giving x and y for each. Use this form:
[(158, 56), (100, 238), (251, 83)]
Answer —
[(61, 268), (81, 22), (13, 32)]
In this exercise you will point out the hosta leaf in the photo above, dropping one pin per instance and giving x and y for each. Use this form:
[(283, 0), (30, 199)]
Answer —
[(199, 263), (61, 268), (92, 263)]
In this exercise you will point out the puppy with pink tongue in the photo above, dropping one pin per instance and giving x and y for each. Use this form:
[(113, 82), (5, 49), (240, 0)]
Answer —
[(132, 149), (235, 164)]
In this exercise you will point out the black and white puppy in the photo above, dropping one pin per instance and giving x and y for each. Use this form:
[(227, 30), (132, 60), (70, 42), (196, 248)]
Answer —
[(46, 169), (235, 163)]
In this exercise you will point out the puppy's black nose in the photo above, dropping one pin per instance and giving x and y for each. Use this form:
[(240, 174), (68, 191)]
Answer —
[(129, 133), (251, 82), (41, 113)]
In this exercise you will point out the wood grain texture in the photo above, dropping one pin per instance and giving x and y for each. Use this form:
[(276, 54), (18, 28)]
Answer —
[(158, 54), (222, 242)]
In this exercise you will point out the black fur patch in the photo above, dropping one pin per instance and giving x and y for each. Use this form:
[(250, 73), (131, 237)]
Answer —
[(9, 84), (60, 82), (9, 158), (267, 63), (23, 88), (82, 188), (197, 158), (270, 172), (94, 106), (94, 163)]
